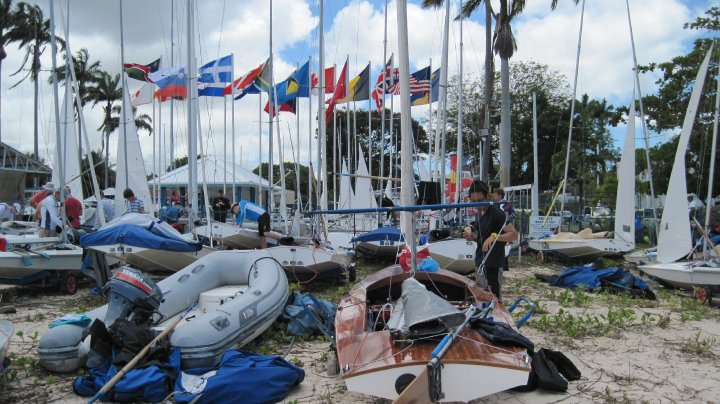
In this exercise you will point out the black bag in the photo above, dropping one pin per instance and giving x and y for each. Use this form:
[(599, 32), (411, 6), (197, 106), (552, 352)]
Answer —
[(501, 334), (130, 338), (551, 370)]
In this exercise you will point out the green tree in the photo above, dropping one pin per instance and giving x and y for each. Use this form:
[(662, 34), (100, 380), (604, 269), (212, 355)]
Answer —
[(665, 110), (290, 181), (105, 91), (8, 30), (32, 31)]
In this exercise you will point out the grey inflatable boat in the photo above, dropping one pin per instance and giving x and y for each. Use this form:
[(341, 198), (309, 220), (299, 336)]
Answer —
[(238, 295)]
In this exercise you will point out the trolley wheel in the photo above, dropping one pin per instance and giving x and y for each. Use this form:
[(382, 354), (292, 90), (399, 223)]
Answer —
[(69, 283), (332, 365), (701, 294)]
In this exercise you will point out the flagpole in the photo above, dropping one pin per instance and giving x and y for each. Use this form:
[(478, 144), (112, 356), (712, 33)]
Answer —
[(154, 198), (347, 117), (260, 167), (321, 116), (370, 133), (309, 194), (459, 150), (192, 118), (172, 99), (442, 98), (381, 97), (433, 132), (337, 145), (161, 143), (124, 102), (232, 125), (297, 159), (224, 144), (271, 202)]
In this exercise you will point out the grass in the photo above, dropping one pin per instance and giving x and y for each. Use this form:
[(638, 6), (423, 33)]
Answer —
[(699, 346)]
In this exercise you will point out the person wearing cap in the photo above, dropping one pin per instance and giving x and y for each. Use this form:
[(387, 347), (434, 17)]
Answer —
[(132, 203), (73, 209), (8, 211), (491, 231)]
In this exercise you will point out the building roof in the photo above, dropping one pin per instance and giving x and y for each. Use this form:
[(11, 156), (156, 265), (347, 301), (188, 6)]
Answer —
[(217, 172), (12, 159)]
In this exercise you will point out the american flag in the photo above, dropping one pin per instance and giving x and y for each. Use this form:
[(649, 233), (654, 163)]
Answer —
[(419, 82)]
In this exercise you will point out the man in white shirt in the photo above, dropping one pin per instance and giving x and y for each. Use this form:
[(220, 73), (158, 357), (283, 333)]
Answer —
[(49, 220), (108, 205), (8, 211)]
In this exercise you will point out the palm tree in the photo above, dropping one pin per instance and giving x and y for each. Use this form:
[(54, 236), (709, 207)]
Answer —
[(106, 91), (465, 12), (86, 72), (142, 121), (32, 31), (7, 26)]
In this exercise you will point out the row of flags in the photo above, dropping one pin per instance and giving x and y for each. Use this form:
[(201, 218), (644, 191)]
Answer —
[(215, 80)]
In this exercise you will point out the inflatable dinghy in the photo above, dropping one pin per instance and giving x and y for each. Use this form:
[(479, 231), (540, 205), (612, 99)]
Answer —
[(6, 332), (239, 294)]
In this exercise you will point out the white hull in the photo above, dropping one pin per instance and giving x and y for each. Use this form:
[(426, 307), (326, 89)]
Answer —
[(684, 274), (308, 262), (19, 228), (18, 263), (460, 382), (149, 259), (642, 257), (457, 255), (582, 248)]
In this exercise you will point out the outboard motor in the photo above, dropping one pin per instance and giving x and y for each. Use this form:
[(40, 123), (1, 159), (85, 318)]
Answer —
[(131, 295)]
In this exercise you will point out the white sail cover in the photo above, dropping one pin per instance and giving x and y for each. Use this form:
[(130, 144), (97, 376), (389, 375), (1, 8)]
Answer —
[(68, 150), (130, 165), (364, 193), (625, 199), (346, 192), (674, 241)]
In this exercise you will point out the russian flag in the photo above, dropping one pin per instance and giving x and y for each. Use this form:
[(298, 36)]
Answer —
[(215, 75)]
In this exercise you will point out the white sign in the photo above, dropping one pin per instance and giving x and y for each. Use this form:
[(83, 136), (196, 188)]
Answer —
[(542, 228)]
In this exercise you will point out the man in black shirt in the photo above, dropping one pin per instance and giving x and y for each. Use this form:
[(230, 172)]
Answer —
[(221, 204), (491, 231)]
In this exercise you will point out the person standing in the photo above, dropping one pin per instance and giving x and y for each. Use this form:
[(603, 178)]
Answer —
[(491, 231), (108, 206), (221, 204), (73, 209), (50, 223), (132, 203), (248, 210)]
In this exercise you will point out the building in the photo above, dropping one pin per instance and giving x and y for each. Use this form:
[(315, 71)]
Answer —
[(218, 175), (16, 169)]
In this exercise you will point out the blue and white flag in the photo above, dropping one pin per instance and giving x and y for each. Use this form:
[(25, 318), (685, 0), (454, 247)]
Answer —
[(215, 76)]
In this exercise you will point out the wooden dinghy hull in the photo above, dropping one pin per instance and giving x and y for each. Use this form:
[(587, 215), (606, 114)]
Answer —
[(372, 363)]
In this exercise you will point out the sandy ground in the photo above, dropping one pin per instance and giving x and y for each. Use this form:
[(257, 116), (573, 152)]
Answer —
[(628, 350)]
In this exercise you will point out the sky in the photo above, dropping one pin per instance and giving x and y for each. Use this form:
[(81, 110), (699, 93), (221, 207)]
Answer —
[(352, 29)]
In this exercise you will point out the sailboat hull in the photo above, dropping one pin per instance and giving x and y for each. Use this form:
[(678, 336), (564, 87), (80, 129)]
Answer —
[(387, 249), (44, 254), (684, 275), (457, 255), (304, 263), (149, 259), (582, 248), (372, 363)]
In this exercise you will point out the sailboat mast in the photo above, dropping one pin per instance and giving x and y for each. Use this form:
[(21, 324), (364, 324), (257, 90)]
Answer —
[(192, 113), (406, 172), (572, 114), (535, 203), (123, 124), (56, 110), (711, 176), (310, 157), (646, 138), (172, 105)]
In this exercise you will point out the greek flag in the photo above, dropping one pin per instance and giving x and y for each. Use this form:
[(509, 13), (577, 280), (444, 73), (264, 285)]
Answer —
[(214, 77)]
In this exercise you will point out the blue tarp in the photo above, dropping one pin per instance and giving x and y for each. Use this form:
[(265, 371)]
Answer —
[(381, 234), (612, 279), (241, 377), (136, 236)]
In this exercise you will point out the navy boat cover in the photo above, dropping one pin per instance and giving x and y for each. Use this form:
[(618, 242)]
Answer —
[(137, 236), (380, 234)]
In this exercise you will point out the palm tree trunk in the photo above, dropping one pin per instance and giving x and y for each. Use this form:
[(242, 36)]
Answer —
[(505, 123), (488, 90)]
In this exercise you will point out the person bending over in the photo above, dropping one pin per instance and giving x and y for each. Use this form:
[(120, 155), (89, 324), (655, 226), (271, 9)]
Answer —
[(252, 212)]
